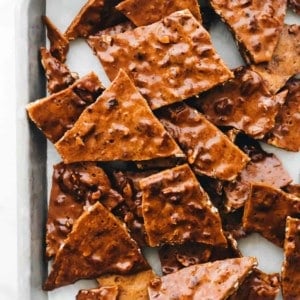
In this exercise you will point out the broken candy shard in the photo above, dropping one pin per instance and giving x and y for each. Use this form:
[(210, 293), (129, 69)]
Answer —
[(58, 75), (258, 286), (154, 10), (95, 15), (75, 187), (243, 102), (290, 275), (202, 142), (86, 21), (98, 243), (59, 45), (169, 60), (102, 293), (131, 287), (286, 132), (266, 211), (255, 24), (216, 280), (176, 209), (57, 113), (118, 126), (285, 61)]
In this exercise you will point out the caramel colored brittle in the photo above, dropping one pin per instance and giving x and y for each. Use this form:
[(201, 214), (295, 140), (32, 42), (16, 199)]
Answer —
[(216, 280), (176, 209), (285, 61), (286, 134), (98, 244), (57, 113), (255, 24), (118, 126), (59, 45), (243, 102), (169, 60), (58, 75), (155, 10), (95, 15), (266, 211), (202, 142), (102, 293), (290, 270), (258, 286), (263, 168), (75, 187), (130, 287)]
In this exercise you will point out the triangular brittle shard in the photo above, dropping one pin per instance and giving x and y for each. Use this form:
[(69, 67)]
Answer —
[(59, 45), (98, 244), (256, 25), (118, 126), (217, 280), (176, 209), (86, 20)]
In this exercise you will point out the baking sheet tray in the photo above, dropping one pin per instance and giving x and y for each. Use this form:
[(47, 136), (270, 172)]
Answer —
[(35, 157)]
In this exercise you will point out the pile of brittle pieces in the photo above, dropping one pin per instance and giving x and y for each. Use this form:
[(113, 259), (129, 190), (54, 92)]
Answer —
[(169, 155)]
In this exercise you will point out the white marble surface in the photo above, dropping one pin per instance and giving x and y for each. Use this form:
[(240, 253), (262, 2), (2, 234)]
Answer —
[(8, 225)]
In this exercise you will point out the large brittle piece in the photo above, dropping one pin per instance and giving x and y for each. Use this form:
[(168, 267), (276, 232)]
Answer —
[(169, 60), (176, 209), (118, 126)]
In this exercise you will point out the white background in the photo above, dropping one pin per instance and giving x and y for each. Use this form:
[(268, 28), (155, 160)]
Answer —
[(8, 219), (8, 235)]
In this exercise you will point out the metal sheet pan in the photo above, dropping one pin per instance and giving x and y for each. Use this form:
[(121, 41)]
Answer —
[(31, 153), (34, 155)]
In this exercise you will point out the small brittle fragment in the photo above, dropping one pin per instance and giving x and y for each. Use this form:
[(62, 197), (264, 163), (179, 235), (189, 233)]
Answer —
[(286, 133), (266, 211), (58, 75), (285, 61), (290, 270)]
